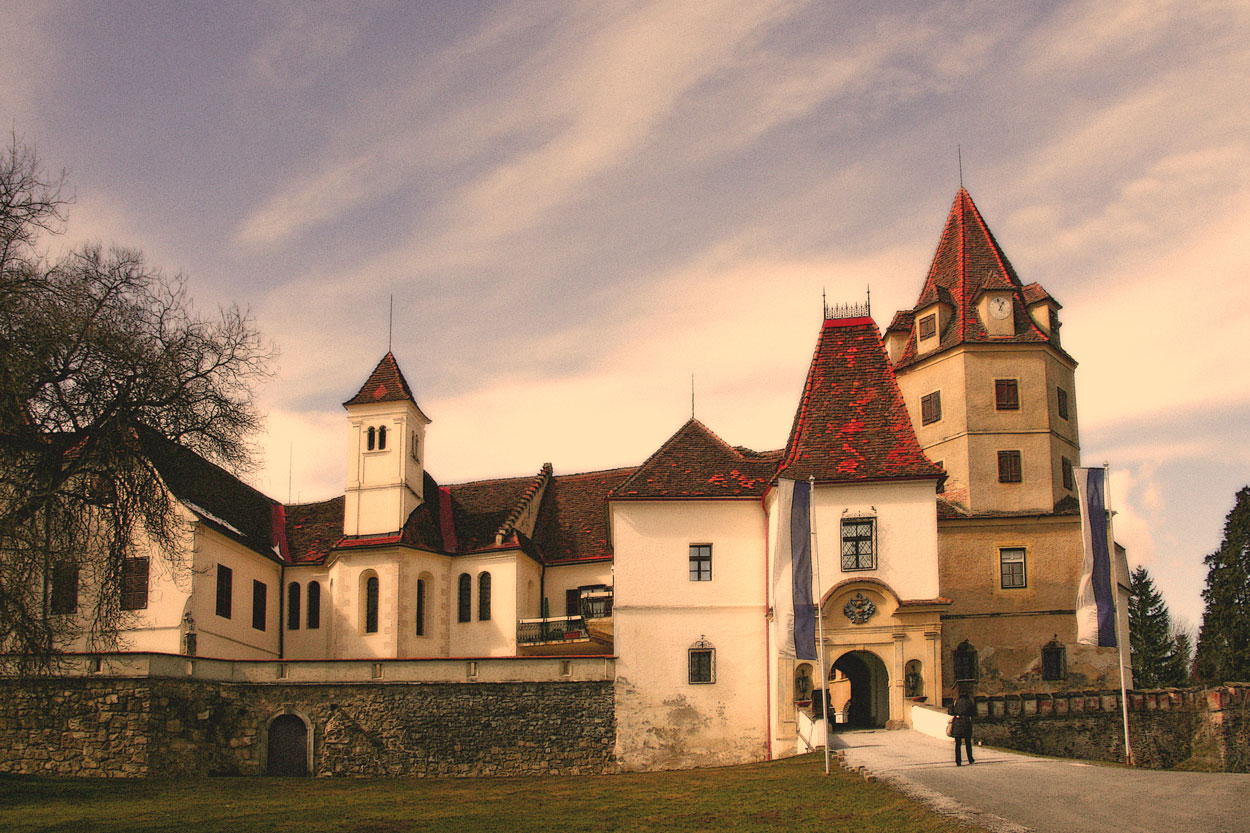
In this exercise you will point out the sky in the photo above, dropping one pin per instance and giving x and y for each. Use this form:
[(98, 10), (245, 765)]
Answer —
[(578, 207)]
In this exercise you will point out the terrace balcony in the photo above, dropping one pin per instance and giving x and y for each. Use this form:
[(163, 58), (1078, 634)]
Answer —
[(589, 632)]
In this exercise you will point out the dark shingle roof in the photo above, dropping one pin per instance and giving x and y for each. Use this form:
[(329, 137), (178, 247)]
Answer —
[(385, 384), (695, 462), (572, 522), (215, 496), (967, 262), (312, 529), (851, 423)]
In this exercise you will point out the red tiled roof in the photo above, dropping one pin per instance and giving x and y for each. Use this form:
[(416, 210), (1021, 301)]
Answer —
[(385, 384), (695, 462), (313, 529), (572, 522), (851, 423), (482, 508), (967, 262), (1034, 293)]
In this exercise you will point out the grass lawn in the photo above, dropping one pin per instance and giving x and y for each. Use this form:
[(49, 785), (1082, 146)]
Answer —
[(793, 794)]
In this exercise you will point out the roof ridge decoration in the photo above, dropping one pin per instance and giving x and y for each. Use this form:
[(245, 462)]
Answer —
[(851, 423), (535, 489)]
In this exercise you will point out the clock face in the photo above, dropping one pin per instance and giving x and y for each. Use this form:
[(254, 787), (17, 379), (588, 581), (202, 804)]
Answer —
[(1000, 307)]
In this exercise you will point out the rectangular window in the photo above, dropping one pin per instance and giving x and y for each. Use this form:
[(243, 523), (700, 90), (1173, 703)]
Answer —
[(931, 407), (259, 594), (1006, 395), (1054, 661), (857, 544), (1011, 563), (1009, 467), (1069, 482), (420, 607), (1062, 396), (700, 562), (225, 590), (65, 589), (928, 326), (701, 666), (573, 602), (134, 584)]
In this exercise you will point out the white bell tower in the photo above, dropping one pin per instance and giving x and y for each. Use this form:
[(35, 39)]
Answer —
[(385, 454)]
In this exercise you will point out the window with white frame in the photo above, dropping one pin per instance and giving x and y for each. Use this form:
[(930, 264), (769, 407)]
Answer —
[(700, 562), (1012, 566)]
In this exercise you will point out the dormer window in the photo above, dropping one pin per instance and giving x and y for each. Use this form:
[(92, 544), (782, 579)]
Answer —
[(927, 327)]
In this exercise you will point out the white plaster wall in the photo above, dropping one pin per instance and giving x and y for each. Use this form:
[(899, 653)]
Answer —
[(663, 721), (233, 638), (568, 576), (495, 637), (348, 639), (383, 486), (304, 643), (906, 513)]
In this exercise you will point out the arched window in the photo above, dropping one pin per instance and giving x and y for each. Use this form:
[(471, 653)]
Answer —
[(465, 612), (314, 605), (292, 606), (483, 597), (371, 604), (420, 607), (372, 440), (381, 437)]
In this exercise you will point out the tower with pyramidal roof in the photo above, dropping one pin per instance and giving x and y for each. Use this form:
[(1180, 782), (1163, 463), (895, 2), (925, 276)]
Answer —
[(992, 396)]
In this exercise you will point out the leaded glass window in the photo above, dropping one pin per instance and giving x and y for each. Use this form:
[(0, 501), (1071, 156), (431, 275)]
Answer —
[(858, 539)]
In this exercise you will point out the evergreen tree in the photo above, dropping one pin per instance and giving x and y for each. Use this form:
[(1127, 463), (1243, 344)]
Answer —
[(1223, 653), (1157, 662)]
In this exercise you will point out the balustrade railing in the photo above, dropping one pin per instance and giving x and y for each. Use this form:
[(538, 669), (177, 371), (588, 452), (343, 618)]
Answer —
[(555, 629)]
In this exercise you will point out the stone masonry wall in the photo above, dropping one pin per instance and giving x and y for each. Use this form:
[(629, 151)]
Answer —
[(169, 727), (1205, 729)]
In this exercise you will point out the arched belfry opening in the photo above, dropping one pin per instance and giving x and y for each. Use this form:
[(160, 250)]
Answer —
[(867, 705), (287, 747)]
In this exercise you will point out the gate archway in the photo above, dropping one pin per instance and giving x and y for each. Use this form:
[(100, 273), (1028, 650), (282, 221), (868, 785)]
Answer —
[(869, 703), (287, 747)]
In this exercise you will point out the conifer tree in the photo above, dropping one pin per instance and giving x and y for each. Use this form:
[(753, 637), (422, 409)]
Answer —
[(1223, 652), (1157, 662)]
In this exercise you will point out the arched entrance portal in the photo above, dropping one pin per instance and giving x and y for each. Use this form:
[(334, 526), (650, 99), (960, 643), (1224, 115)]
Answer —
[(287, 747), (869, 703)]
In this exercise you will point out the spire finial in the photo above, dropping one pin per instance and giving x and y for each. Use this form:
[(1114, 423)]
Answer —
[(390, 323), (959, 152), (692, 396)]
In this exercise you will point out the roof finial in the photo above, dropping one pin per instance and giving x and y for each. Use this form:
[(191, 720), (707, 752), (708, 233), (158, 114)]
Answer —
[(390, 323), (824, 302), (959, 152), (692, 396), (868, 301)]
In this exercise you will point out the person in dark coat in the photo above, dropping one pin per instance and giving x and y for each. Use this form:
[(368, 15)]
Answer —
[(963, 710)]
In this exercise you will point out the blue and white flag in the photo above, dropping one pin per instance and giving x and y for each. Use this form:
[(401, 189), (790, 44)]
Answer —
[(792, 572), (1095, 602)]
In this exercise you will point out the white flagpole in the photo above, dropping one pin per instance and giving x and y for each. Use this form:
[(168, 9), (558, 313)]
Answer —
[(820, 619), (1120, 638)]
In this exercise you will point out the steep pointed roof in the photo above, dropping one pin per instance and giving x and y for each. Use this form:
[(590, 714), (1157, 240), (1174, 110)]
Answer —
[(969, 261), (694, 462), (385, 384), (851, 423)]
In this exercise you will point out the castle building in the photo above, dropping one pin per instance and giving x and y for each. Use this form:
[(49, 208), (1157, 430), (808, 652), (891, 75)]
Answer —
[(940, 460)]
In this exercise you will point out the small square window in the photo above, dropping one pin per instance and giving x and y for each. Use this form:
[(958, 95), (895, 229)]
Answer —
[(1062, 396), (1006, 395), (858, 552), (1069, 482), (1009, 467), (928, 326), (931, 408), (700, 562), (1011, 564)]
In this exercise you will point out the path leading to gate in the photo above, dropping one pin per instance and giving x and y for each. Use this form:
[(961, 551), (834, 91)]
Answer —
[(1013, 792)]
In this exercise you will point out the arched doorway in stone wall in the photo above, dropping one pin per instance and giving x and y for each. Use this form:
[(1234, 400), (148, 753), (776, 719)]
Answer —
[(287, 747), (869, 704)]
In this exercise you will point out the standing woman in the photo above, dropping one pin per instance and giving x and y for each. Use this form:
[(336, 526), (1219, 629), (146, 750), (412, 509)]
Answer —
[(961, 725)]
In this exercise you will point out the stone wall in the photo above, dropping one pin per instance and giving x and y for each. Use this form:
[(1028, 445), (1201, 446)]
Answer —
[(190, 727), (1206, 729)]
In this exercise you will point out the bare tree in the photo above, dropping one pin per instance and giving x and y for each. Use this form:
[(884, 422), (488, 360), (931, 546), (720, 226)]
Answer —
[(100, 356)]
